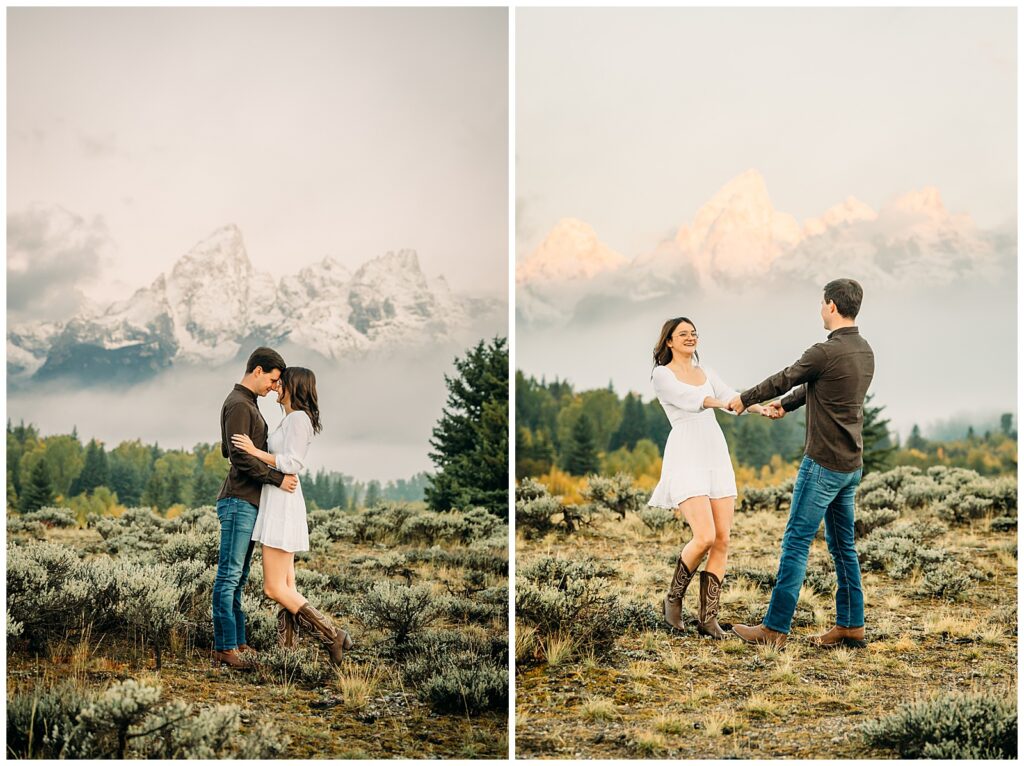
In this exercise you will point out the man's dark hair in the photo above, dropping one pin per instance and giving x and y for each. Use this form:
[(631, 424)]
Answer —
[(846, 294), (266, 358)]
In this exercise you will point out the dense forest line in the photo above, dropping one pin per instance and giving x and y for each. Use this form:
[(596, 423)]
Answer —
[(92, 480), (561, 430)]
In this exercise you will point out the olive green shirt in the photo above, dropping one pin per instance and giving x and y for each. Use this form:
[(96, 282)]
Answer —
[(832, 379), (247, 475)]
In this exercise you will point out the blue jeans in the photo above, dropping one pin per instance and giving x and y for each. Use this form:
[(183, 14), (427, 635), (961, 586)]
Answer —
[(819, 493), (237, 519)]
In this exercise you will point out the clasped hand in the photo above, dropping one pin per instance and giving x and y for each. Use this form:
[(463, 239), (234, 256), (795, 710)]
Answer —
[(773, 410)]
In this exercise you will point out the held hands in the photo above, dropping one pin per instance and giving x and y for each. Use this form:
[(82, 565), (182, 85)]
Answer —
[(290, 482), (773, 410)]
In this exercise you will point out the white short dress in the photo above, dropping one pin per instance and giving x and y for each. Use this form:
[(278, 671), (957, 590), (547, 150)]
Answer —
[(281, 521), (696, 460)]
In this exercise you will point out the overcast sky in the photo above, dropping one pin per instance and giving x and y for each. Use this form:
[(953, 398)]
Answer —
[(327, 131), (630, 119)]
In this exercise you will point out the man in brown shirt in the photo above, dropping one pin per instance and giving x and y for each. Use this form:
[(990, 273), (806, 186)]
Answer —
[(832, 379), (239, 499)]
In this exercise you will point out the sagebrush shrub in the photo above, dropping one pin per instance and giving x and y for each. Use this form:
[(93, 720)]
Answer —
[(960, 726), (867, 520), (468, 690), (535, 508), (569, 597), (616, 494), (307, 663), (656, 519), (62, 518), (129, 720), (398, 610), (949, 579)]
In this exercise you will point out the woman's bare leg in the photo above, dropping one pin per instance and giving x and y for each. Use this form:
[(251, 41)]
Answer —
[(722, 509), (697, 512), (277, 564)]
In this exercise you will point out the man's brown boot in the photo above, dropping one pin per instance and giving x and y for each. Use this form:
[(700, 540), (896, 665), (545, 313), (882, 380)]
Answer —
[(676, 591), (232, 658), (287, 632), (852, 638), (707, 617), (246, 649), (759, 634), (321, 626)]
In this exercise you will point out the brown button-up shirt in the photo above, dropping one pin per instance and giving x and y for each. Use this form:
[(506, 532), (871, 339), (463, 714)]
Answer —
[(247, 474), (832, 379)]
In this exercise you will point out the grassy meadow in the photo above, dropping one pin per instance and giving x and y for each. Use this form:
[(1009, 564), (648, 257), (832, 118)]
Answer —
[(109, 632), (599, 675)]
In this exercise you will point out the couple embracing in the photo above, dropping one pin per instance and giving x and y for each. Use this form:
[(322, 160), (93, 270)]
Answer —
[(697, 478), (261, 501)]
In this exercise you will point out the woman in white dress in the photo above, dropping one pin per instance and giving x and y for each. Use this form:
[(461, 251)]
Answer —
[(697, 479), (281, 522)]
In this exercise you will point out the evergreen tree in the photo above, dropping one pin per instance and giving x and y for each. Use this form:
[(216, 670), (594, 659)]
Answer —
[(633, 426), (211, 468), (470, 440), (878, 447), (658, 427), (1006, 424), (339, 495), (534, 452), (915, 441), (95, 472), (38, 491), (581, 455), (372, 493)]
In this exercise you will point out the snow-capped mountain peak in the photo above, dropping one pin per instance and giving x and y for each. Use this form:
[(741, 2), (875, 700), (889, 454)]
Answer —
[(570, 251), (212, 302)]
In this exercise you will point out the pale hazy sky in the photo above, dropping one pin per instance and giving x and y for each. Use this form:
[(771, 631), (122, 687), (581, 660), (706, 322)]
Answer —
[(630, 119), (325, 131)]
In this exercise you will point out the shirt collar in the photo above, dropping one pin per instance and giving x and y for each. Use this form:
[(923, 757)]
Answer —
[(252, 394), (844, 331)]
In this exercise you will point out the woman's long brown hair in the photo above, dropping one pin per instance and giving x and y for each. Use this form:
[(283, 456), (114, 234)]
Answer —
[(300, 384), (662, 353)]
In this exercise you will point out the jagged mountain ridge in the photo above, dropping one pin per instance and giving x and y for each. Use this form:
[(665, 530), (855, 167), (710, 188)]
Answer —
[(213, 305), (739, 238)]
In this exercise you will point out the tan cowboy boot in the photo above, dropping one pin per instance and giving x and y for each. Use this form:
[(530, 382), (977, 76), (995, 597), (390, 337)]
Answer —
[(676, 591), (321, 626), (232, 658), (707, 617), (246, 649), (287, 633), (852, 638), (759, 634)]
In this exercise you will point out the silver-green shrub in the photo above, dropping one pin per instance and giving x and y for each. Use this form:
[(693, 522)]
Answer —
[(955, 726)]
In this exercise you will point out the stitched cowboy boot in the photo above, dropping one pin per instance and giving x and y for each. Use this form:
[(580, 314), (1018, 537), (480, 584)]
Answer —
[(707, 617), (676, 591), (852, 638), (321, 626), (759, 634), (232, 658), (287, 634)]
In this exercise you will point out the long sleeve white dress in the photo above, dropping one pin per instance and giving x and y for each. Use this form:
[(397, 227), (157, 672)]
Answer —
[(281, 521), (696, 460)]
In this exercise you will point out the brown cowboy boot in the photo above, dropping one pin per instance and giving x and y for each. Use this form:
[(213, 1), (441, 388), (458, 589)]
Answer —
[(707, 617), (676, 591), (852, 638), (246, 649), (287, 633), (321, 626), (759, 634), (232, 658)]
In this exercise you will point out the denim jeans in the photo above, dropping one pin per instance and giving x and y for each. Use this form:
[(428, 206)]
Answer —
[(819, 493), (237, 519)]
